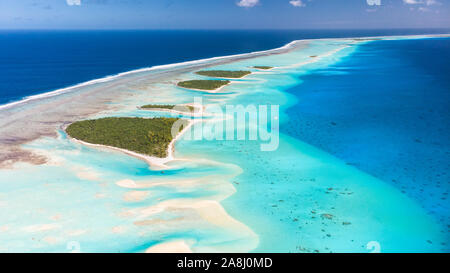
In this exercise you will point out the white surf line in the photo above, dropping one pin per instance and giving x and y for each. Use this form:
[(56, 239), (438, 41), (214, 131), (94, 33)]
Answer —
[(312, 60), (152, 68), (315, 59), (273, 69), (201, 61), (160, 162)]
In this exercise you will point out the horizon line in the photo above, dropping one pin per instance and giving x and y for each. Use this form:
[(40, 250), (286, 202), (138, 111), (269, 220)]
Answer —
[(223, 29)]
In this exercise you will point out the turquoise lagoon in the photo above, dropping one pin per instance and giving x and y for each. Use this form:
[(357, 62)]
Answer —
[(217, 195)]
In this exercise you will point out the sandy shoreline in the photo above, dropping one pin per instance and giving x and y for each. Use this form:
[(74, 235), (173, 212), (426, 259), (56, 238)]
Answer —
[(190, 65), (201, 63), (44, 114), (213, 213), (179, 246), (52, 115), (154, 162)]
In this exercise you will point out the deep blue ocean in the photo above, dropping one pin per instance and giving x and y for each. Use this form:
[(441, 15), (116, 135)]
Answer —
[(33, 62), (386, 110)]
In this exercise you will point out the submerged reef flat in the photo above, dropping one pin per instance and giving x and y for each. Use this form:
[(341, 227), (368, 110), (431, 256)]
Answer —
[(197, 198), (224, 73), (43, 115), (263, 67), (203, 84), (145, 136)]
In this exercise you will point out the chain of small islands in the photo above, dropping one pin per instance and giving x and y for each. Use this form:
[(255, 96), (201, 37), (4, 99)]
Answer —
[(151, 136)]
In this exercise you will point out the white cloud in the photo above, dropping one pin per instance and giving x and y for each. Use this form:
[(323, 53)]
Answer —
[(247, 3), (426, 2), (432, 2), (373, 2), (73, 2), (423, 5), (297, 3)]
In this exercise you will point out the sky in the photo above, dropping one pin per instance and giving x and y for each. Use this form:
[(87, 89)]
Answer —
[(224, 14)]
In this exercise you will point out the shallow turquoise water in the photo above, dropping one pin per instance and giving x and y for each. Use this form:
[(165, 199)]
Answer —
[(295, 199), (385, 110)]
